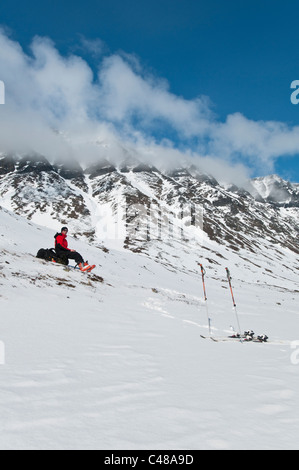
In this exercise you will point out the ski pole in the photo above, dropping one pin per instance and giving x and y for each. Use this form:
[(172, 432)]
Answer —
[(203, 273), (233, 298), (230, 285)]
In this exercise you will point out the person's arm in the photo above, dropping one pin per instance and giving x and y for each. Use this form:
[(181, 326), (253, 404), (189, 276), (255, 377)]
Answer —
[(61, 248)]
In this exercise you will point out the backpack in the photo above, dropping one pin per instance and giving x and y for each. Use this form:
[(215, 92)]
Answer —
[(50, 254), (55, 236)]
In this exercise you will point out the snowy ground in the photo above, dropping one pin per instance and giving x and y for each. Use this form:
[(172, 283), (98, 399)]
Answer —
[(120, 364)]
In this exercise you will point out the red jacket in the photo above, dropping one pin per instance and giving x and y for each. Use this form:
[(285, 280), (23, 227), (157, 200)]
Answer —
[(61, 242)]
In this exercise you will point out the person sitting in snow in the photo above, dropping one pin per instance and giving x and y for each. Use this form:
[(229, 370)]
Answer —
[(62, 250)]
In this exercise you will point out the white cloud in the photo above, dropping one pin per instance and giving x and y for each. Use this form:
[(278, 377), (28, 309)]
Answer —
[(129, 95), (260, 142), (95, 47), (45, 91)]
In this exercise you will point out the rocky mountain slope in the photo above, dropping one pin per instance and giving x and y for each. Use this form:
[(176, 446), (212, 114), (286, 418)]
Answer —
[(133, 203)]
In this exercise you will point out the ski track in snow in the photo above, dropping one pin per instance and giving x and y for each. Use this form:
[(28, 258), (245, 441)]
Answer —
[(120, 364)]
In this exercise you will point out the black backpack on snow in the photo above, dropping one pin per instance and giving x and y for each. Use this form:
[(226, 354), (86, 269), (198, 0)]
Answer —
[(50, 254)]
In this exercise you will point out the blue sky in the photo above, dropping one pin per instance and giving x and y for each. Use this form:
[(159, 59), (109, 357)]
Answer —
[(238, 58)]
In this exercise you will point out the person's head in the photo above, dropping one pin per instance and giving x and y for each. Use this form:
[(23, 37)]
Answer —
[(64, 231)]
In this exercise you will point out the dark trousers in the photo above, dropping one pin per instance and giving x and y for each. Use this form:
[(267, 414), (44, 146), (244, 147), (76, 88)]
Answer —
[(70, 255)]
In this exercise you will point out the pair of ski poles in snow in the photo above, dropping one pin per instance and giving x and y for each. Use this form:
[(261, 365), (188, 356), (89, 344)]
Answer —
[(229, 278)]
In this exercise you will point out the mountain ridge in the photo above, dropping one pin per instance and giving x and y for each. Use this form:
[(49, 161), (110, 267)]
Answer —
[(136, 202)]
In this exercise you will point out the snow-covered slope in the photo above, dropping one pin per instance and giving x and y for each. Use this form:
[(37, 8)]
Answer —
[(118, 362)]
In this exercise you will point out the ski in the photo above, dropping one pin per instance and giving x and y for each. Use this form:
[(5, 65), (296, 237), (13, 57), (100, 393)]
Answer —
[(247, 337), (86, 269), (240, 340), (250, 336), (218, 339), (212, 338)]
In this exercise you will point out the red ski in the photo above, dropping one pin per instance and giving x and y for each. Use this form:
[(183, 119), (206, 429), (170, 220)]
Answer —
[(87, 268)]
